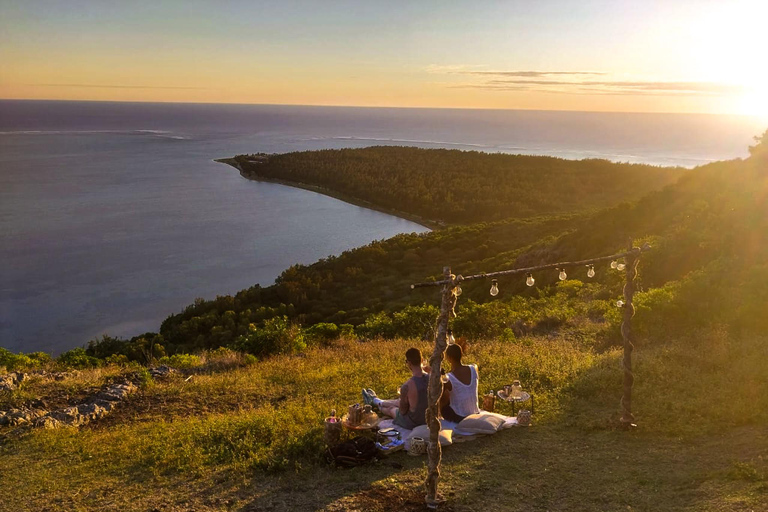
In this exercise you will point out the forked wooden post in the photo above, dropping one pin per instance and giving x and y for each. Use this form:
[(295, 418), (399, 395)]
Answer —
[(435, 389), (448, 301), (632, 258)]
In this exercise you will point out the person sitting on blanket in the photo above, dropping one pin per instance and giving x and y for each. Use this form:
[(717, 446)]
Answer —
[(409, 410), (459, 398)]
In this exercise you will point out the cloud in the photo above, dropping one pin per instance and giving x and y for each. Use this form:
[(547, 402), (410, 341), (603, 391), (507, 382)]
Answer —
[(105, 86), (609, 87), (531, 74), (580, 82)]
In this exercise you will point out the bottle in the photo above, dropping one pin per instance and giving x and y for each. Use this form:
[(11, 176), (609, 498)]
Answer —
[(517, 389)]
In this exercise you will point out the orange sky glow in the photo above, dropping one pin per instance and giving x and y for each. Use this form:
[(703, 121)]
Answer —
[(684, 56)]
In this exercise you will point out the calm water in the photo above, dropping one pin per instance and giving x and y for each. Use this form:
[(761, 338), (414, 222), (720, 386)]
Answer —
[(113, 216)]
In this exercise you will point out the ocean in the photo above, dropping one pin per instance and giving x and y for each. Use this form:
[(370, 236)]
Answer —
[(114, 215)]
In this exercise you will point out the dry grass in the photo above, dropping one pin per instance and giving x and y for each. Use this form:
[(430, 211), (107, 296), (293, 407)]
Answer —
[(250, 438)]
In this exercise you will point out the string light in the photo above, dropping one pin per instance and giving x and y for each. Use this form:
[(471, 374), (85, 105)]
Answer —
[(529, 280), (621, 266), (619, 303), (457, 291), (590, 271), (494, 288), (614, 264), (563, 276)]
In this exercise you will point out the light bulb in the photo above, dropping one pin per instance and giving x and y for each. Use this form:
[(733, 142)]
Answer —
[(494, 288), (563, 276), (530, 280), (413, 286), (591, 271), (451, 339), (614, 264), (621, 266), (619, 303), (457, 290)]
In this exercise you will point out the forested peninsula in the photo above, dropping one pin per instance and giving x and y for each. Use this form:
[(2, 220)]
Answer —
[(442, 186)]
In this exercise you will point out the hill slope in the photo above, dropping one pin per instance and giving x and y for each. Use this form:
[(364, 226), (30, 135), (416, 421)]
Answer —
[(712, 214)]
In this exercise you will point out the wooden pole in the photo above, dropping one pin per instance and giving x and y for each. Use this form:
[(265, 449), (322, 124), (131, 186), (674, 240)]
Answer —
[(435, 389), (632, 259)]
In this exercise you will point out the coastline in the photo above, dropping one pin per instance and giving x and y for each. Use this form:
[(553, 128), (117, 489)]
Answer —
[(427, 223)]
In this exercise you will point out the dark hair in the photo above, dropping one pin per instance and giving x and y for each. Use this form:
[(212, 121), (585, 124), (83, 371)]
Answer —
[(454, 352), (413, 356)]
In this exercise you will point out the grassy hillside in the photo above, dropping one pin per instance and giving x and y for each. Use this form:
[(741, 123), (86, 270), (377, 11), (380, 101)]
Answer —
[(250, 438), (461, 187)]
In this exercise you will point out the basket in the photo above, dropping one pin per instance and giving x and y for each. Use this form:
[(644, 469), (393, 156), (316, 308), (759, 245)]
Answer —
[(332, 431)]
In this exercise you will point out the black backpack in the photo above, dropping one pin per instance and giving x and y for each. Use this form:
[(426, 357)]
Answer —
[(354, 452)]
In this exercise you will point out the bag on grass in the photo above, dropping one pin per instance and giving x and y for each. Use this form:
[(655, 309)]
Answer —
[(354, 452)]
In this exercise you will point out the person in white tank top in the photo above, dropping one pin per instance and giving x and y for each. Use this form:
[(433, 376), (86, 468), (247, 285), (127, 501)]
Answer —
[(461, 387)]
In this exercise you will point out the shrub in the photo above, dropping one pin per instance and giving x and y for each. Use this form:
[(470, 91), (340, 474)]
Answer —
[(378, 325), (78, 358), (117, 359), (415, 322), (250, 360), (322, 333), (181, 361), (276, 336), (13, 362)]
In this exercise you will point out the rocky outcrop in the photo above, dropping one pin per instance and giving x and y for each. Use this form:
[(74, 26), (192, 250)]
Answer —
[(11, 381), (23, 416), (161, 371), (90, 409), (93, 408)]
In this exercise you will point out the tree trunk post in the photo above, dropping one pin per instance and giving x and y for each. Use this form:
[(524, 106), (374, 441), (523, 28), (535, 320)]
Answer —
[(627, 418), (435, 389)]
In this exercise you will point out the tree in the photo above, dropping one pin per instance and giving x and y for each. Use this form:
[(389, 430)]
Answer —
[(761, 148)]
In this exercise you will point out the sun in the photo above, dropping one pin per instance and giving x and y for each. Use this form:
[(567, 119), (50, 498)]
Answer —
[(727, 47)]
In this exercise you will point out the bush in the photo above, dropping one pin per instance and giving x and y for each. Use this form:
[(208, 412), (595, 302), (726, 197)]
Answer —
[(250, 360), (78, 358), (117, 359), (378, 325), (322, 333), (276, 336), (410, 322), (181, 361)]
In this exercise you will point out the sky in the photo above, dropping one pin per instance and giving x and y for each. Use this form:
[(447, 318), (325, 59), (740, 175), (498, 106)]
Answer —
[(651, 56)]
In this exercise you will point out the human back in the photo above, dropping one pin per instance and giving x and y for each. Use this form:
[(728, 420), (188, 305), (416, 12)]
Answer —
[(463, 381)]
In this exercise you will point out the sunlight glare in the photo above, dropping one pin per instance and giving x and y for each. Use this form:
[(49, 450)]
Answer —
[(729, 41)]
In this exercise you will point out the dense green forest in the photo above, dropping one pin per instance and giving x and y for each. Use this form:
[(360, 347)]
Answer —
[(708, 231), (461, 187)]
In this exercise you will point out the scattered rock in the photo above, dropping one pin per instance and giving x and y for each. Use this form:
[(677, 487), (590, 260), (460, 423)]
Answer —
[(161, 371), (16, 417), (11, 381), (48, 422), (93, 408)]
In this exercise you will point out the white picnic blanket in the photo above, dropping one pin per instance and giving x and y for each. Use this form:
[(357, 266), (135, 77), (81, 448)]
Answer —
[(456, 434)]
